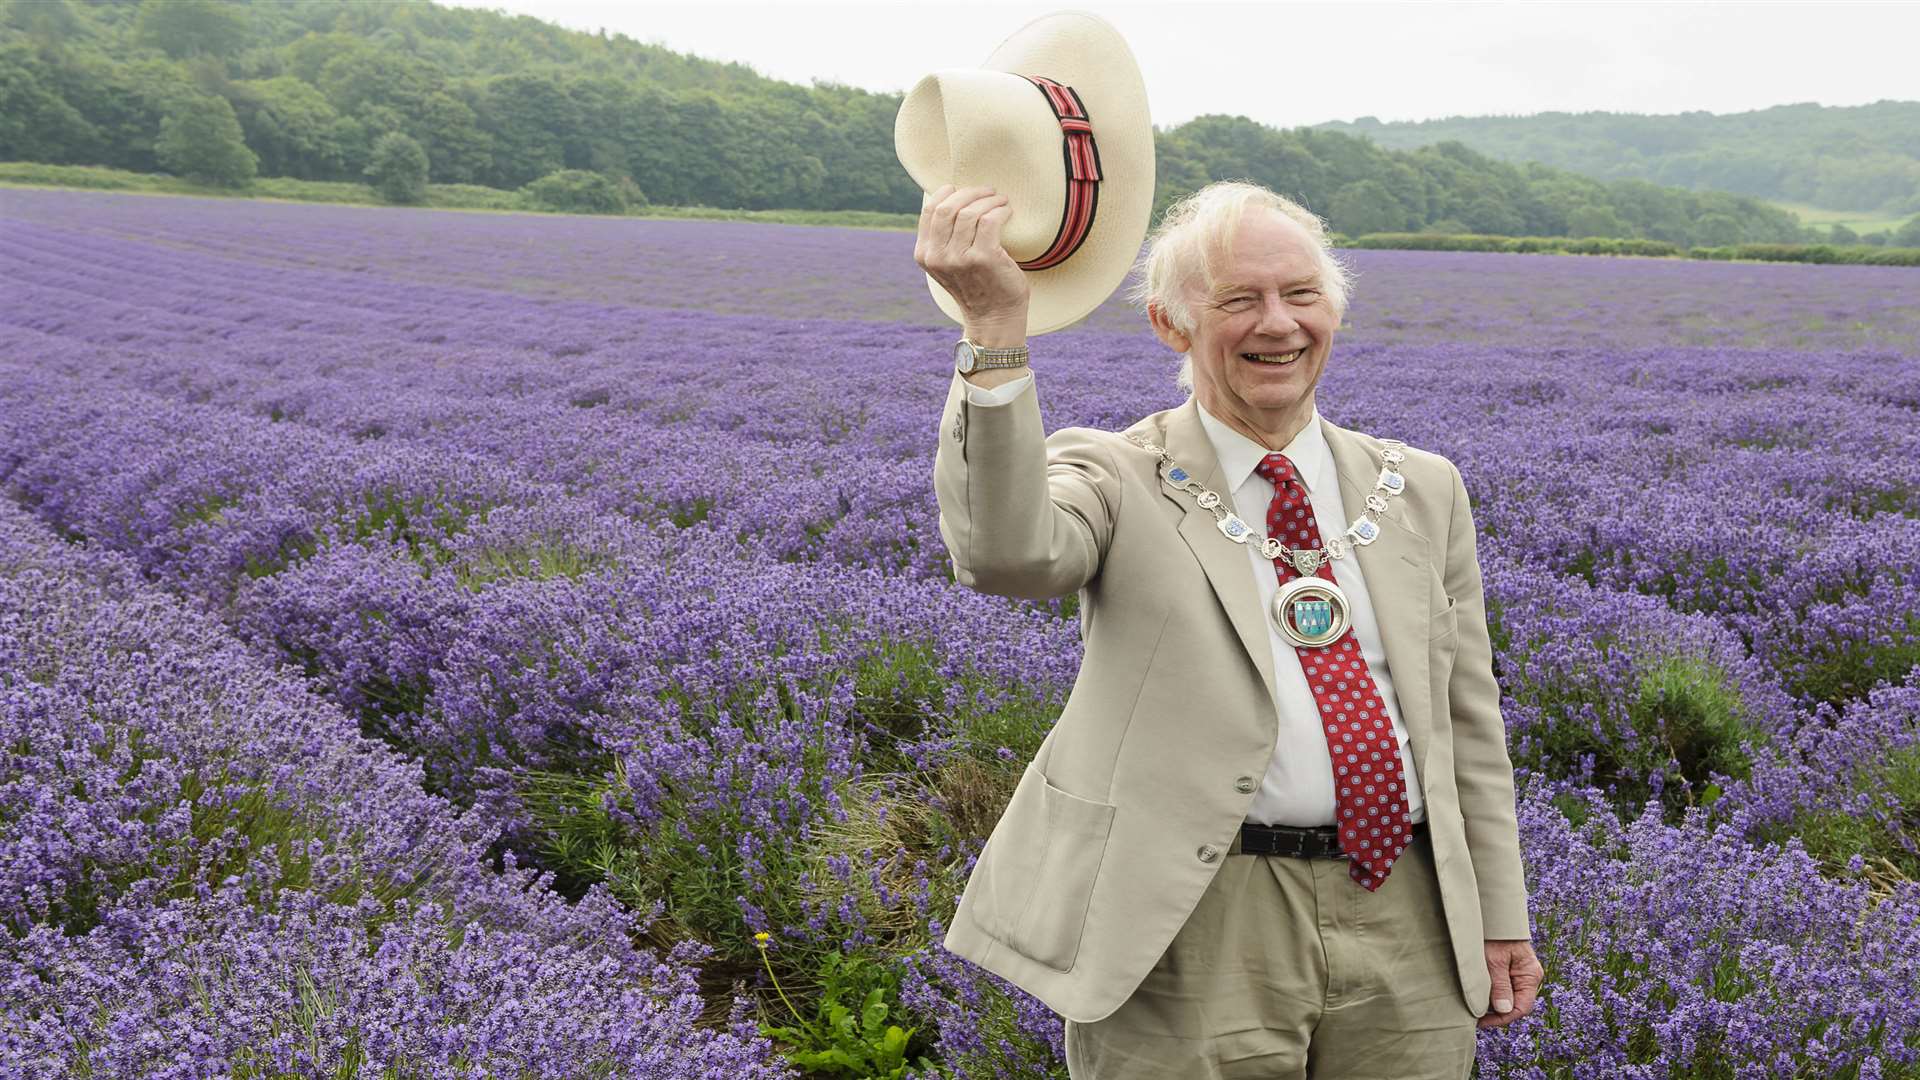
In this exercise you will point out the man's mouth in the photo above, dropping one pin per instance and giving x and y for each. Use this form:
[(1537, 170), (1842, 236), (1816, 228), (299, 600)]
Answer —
[(1274, 358)]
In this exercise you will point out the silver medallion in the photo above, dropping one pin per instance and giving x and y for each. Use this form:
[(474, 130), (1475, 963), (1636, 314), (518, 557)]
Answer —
[(1375, 503), (1310, 612), (1365, 532), (1392, 456), (1391, 482), (1235, 529)]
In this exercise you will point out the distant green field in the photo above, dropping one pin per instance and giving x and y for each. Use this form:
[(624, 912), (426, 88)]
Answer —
[(1853, 219), (439, 196)]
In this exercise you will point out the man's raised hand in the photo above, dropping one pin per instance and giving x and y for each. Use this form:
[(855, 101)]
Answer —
[(958, 245)]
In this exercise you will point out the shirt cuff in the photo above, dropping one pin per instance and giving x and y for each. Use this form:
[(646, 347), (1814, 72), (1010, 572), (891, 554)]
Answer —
[(998, 395)]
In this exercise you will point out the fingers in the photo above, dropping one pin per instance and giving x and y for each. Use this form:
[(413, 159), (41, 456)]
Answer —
[(949, 218), (961, 223)]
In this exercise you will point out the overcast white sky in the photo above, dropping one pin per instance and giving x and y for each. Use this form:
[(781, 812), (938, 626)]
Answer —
[(1289, 64)]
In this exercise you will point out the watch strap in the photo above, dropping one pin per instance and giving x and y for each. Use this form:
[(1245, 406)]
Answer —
[(984, 357)]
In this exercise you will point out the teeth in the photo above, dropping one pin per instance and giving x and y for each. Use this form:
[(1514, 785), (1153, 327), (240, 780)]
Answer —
[(1276, 358)]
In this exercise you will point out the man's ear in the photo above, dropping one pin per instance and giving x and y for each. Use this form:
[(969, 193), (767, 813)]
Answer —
[(1169, 335)]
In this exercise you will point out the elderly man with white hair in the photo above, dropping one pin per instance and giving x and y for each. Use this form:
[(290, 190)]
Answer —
[(1272, 833)]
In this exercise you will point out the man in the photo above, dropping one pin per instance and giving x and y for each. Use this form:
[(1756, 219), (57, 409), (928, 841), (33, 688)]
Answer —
[(1272, 833)]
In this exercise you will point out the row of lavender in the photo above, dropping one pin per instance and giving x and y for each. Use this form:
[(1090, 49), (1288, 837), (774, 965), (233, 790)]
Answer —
[(535, 664), (1770, 488), (561, 581), (206, 869)]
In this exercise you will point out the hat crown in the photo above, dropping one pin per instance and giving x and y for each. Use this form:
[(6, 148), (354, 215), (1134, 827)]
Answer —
[(977, 127)]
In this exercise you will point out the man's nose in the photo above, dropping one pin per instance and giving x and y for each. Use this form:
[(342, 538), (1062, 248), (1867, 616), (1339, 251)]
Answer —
[(1275, 319)]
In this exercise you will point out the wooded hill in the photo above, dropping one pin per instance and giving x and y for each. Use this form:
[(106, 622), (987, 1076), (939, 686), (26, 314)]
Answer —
[(1864, 157), (307, 88)]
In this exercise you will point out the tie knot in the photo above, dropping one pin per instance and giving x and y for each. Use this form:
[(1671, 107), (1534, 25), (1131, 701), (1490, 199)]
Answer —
[(1276, 469)]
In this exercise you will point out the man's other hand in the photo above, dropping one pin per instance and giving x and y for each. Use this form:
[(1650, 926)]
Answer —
[(1516, 976)]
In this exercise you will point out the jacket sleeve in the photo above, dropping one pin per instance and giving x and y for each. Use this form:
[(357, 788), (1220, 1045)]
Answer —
[(1483, 772), (1021, 515)]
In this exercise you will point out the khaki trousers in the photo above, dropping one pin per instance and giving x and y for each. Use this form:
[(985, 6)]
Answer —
[(1288, 969)]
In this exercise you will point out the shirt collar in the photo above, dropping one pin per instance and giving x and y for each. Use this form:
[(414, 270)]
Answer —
[(1238, 454)]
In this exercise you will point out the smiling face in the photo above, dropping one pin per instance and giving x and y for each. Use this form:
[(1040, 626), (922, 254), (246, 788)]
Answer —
[(1260, 339)]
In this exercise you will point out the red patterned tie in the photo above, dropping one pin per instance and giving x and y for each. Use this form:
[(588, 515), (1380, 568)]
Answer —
[(1373, 811)]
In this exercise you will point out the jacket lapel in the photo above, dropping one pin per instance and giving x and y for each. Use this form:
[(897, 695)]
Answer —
[(1223, 560), (1394, 566)]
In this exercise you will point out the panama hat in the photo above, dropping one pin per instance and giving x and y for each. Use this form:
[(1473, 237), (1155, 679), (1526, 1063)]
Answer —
[(1056, 120)]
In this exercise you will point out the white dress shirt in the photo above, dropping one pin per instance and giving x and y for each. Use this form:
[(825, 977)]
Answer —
[(1298, 787)]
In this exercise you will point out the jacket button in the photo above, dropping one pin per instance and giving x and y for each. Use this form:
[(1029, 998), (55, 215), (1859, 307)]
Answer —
[(1208, 853), (1244, 785)]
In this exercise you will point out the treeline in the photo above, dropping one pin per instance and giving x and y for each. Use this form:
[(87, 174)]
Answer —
[(1601, 245), (1864, 157), (399, 94), (1364, 188)]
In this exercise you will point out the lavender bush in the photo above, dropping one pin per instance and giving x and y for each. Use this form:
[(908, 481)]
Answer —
[(613, 546)]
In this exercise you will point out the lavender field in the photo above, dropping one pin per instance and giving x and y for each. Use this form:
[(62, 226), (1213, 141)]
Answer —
[(438, 644)]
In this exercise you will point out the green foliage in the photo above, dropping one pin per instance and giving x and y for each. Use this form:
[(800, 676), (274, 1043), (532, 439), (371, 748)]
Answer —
[(182, 28), (575, 191), (201, 140), (849, 1035), (290, 125), (504, 101), (1813, 253), (1562, 245), (1856, 158), (1697, 718), (1883, 833), (398, 168), (1907, 235), (36, 122), (1683, 723)]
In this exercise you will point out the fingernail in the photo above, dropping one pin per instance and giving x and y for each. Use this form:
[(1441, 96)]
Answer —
[(1503, 1006)]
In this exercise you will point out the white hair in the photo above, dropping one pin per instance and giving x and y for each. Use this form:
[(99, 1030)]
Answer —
[(1197, 231)]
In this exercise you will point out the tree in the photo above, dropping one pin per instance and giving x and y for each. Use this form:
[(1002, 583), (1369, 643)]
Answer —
[(201, 140), (1908, 235), (36, 123), (1718, 230), (1596, 221), (398, 168), (530, 119), (1366, 206), (576, 191), (290, 126), (182, 28), (1840, 234)]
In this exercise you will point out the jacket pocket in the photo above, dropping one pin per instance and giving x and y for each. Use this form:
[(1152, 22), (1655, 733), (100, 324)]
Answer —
[(1039, 880), (1444, 622)]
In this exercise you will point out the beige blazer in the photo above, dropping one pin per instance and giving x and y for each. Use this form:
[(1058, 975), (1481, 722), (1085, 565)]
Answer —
[(1127, 809)]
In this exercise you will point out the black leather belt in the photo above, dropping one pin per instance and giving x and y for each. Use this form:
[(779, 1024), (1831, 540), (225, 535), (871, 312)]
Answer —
[(1319, 842)]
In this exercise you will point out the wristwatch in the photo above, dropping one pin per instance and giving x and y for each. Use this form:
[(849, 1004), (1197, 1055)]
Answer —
[(969, 358)]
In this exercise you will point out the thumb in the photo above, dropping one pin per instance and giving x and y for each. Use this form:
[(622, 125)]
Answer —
[(1502, 986)]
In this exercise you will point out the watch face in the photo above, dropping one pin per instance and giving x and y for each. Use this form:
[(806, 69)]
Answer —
[(963, 357)]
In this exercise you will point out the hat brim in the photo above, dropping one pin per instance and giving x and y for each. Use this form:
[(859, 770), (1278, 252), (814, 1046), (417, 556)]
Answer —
[(1084, 51)]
